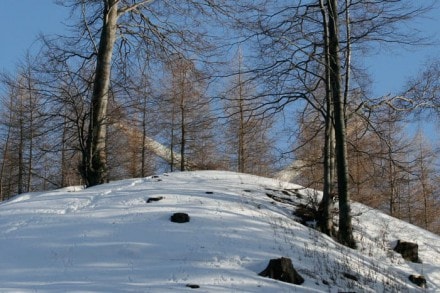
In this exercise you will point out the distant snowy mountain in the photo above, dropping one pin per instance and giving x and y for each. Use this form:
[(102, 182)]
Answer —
[(118, 237)]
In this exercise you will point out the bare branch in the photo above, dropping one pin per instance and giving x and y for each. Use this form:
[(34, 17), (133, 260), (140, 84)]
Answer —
[(133, 7)]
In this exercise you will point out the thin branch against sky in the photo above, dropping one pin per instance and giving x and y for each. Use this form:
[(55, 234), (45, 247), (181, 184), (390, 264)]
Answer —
[(22, 21)]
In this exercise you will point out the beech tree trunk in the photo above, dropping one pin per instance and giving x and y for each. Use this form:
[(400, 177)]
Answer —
[(345, 225), (94, 169), (325, 221)]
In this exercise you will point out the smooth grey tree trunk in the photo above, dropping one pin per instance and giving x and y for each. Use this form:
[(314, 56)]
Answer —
[(325, 221), (345, 223), (95, 160)]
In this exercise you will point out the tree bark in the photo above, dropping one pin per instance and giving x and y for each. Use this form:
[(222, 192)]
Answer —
[(325, 221), (30, 130), (241, 131), (95, 160), (20, 179), (345, 225), (3, 166), (182, 123)]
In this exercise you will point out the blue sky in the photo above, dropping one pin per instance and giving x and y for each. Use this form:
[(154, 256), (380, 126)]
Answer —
[(22, 20)]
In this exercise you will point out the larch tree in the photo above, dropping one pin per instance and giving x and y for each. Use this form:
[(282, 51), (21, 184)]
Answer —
[(425, 190), (187, 114), (247, 132), (23, 104)]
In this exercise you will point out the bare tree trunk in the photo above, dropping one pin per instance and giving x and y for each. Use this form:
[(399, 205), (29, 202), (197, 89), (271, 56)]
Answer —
[(95, 160), (345, 225), (63, 153), (31, 132), (347, 53), (182, 127), (20, 146), (173, 114), (325, 221), (2, 170), (241, 153), (144, 136)]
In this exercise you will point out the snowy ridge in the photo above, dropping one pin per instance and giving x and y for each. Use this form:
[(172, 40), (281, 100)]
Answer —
[(109, 239)]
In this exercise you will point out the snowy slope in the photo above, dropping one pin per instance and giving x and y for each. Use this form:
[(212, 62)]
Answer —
[(109, 239)]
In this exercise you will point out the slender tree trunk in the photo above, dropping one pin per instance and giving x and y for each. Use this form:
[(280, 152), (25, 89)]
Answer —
[(2, 170), (173, 114), (326, 206), (144, 136), (20, 147), (325, 221), (182, 121), (63, 153), (347, 54), (391, 178), (95, 160), (241, 151), (345, 223), (31, 133)]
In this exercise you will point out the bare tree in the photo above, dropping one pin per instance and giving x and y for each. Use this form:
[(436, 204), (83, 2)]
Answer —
[(247, 133), (155, 29), (23, 104), (188, 115), (6, 176), (424, 187), (309, 45)]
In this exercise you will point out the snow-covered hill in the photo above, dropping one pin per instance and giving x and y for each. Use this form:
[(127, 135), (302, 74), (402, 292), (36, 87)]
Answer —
[(110, 239)]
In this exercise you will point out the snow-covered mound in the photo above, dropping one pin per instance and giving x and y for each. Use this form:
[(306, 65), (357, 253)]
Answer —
[(109, 238)]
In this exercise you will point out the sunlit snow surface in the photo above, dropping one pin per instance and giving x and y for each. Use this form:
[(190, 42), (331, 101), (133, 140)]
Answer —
[(109, 239)]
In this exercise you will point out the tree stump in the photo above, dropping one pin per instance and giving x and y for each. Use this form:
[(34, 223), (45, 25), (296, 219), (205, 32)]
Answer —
[(180, 218), (408, 250), (418, 280), (282, 269)]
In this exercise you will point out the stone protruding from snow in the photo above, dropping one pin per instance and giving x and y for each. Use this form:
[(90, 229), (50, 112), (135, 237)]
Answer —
[(153, 199), (283, 270), (193, 286), (418, 280), (180, 218), (408, 250)]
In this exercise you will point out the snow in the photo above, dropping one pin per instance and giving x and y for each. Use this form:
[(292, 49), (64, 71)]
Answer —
[(109, 239)]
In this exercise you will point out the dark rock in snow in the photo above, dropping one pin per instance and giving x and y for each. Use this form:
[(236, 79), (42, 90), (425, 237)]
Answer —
[(282, 269), (151, 199), (408, 250), (192, 286), (418, 280), (350, 276), (180, 218)]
